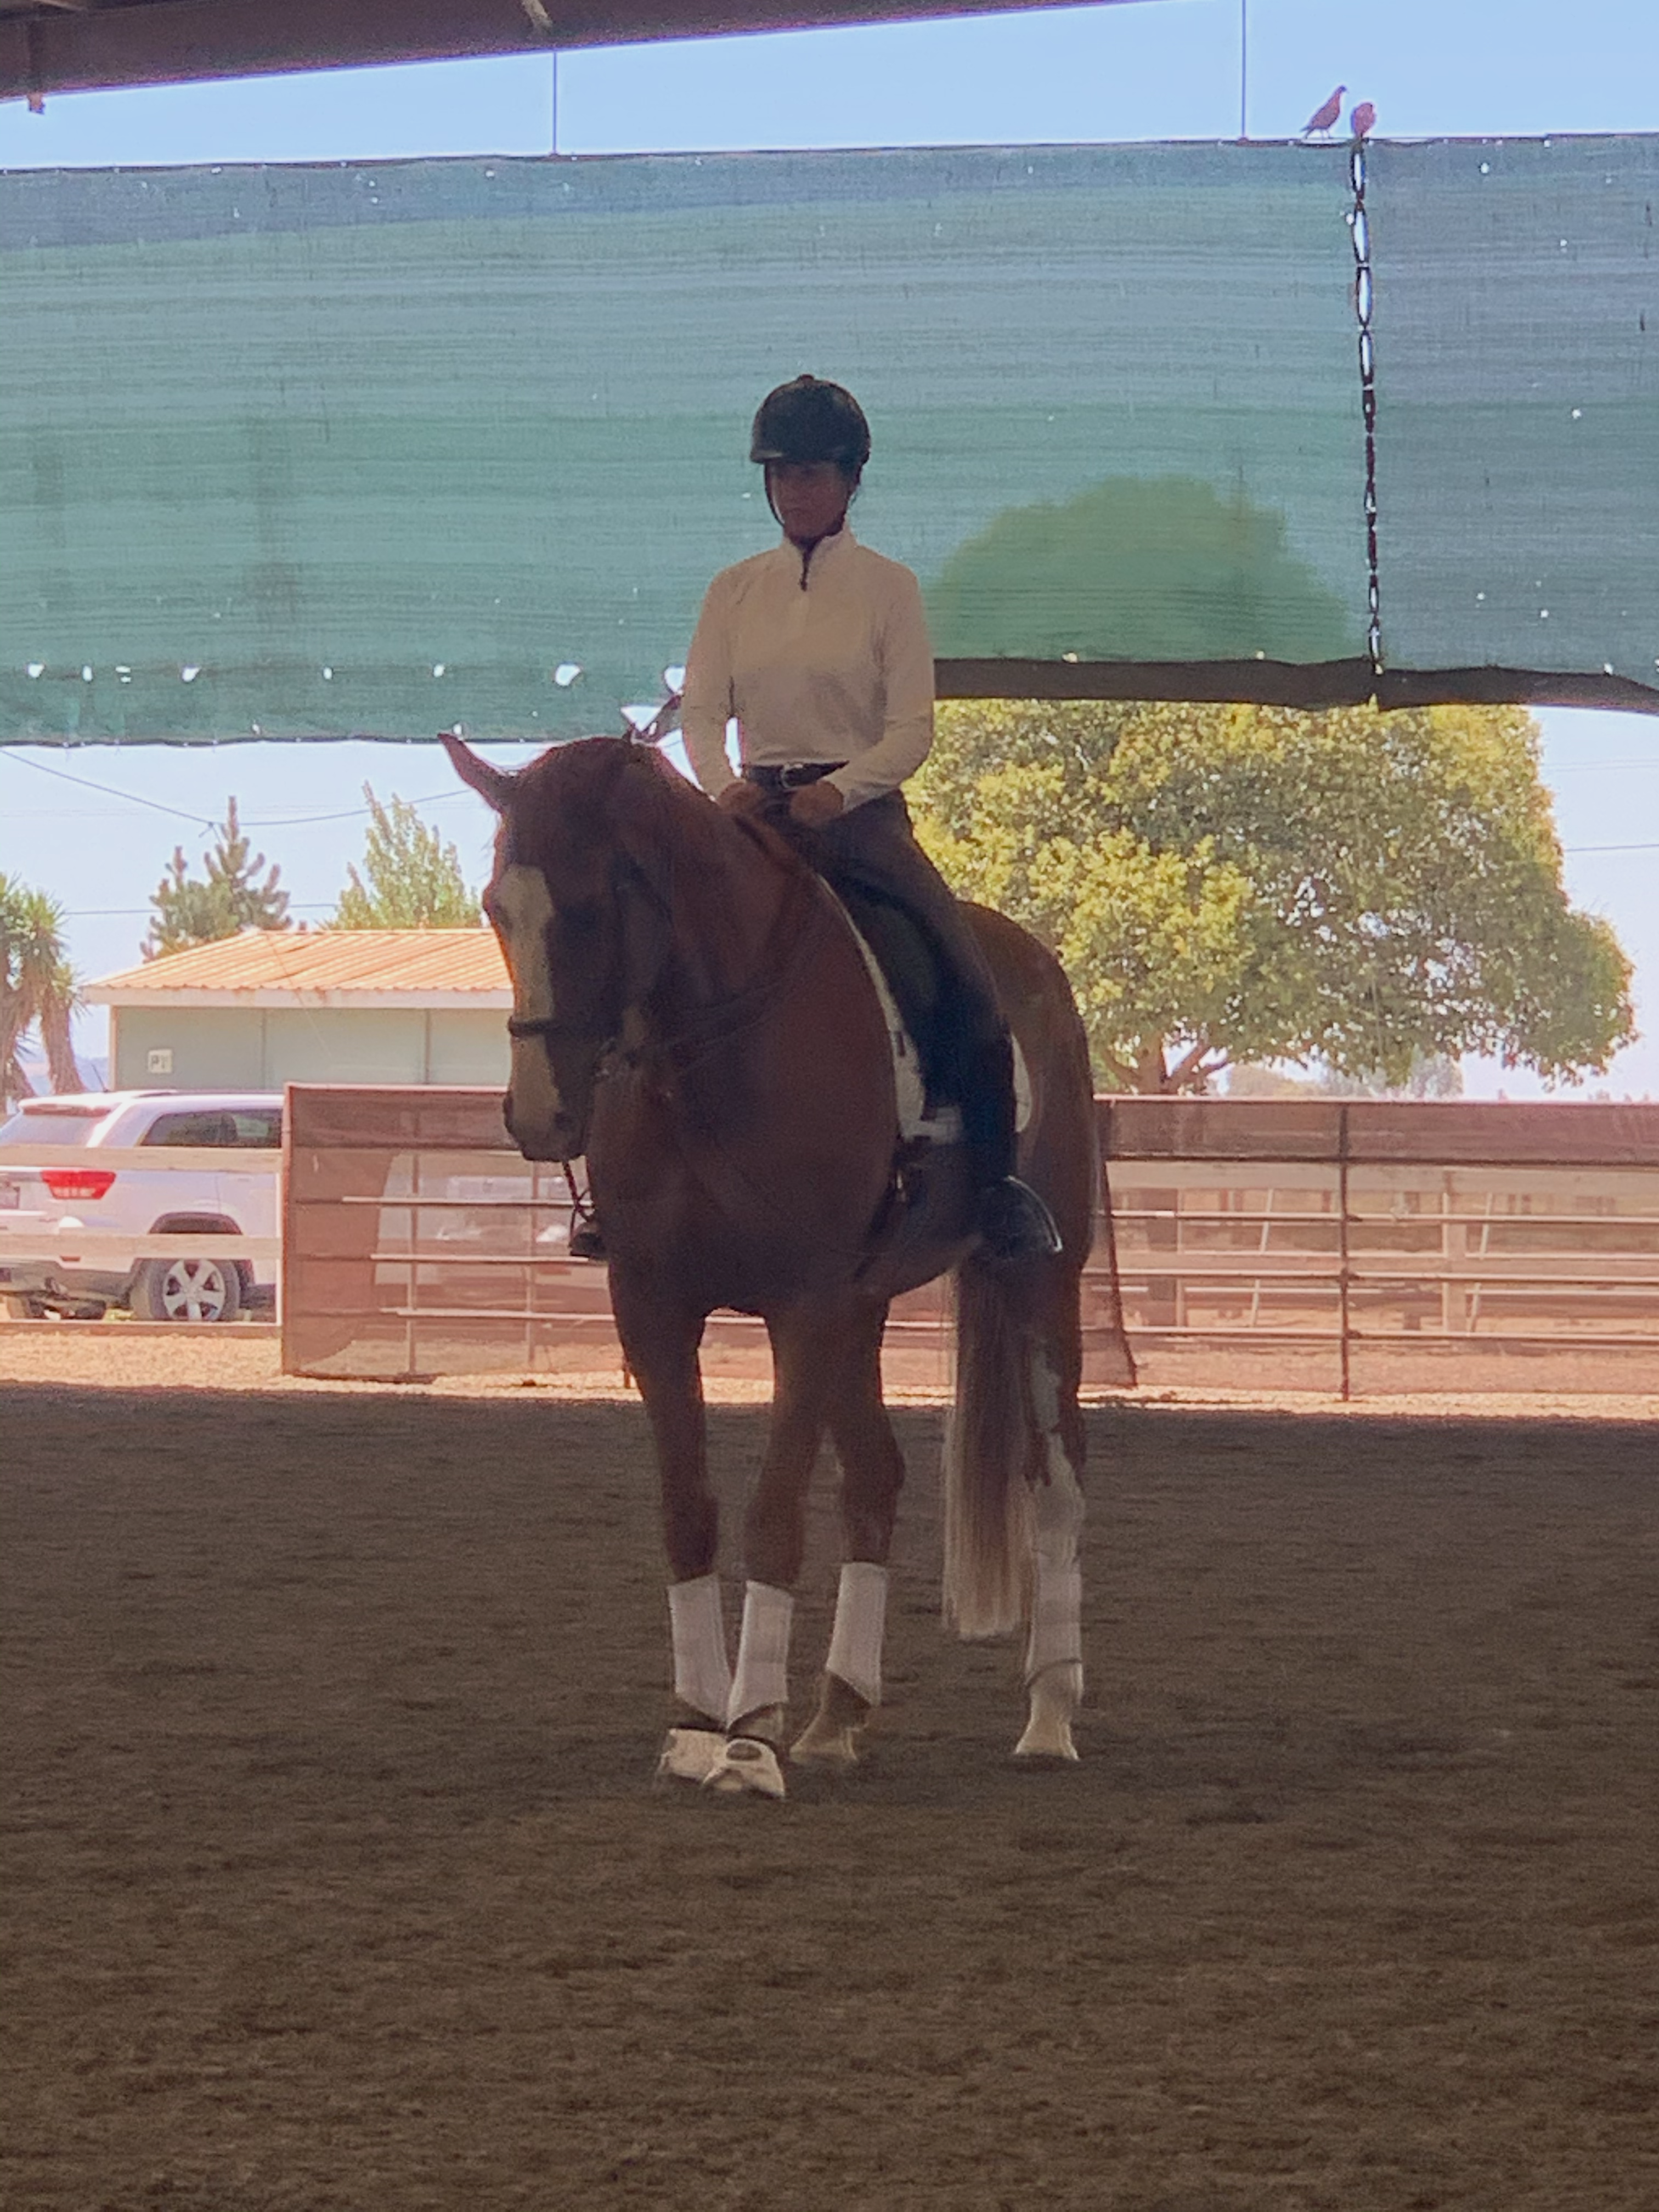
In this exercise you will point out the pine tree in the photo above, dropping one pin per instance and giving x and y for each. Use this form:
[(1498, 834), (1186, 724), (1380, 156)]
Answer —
[(228, 899), (413, 880)]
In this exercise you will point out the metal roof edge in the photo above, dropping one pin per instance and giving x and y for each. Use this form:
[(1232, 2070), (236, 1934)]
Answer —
[(267, 996)]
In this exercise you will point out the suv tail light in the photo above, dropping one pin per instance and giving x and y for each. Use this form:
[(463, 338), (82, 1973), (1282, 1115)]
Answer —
[(77, 1182)]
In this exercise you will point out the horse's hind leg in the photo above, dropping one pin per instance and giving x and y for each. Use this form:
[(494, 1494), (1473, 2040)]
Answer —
[(872, 1472), (1054, 1650)]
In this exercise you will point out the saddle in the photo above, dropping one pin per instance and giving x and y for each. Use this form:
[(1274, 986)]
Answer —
[(906, 973), (912, 982)]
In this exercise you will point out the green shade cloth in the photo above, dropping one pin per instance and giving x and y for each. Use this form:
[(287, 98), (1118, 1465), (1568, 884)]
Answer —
[(1517, 376), (378, 449)]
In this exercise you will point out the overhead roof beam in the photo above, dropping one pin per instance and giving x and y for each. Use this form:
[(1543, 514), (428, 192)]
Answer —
[(66, 46)]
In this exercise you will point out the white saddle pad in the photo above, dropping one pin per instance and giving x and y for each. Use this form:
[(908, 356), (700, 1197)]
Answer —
[(915, 1124)]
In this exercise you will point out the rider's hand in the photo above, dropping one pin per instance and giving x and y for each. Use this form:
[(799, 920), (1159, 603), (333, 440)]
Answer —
[(815, 804), (742, 798)]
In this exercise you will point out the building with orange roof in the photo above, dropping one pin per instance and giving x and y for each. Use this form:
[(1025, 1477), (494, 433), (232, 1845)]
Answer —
[(329, 1005)]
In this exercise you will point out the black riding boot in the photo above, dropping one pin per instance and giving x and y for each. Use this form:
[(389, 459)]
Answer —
[(1013, 1219), (586, 1241)]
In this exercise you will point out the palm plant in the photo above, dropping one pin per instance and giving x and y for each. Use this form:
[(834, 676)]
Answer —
[(38, 990)]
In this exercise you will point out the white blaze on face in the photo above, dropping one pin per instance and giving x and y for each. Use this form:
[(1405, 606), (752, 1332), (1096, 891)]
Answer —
[(523, 910)]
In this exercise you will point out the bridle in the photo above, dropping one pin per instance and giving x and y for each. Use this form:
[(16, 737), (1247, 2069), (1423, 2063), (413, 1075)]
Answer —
[(551, 1028), (703, 1029), (545, 1025), (703, 1033)]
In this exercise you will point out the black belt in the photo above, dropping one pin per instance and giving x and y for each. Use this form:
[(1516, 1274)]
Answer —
[(795, 777)]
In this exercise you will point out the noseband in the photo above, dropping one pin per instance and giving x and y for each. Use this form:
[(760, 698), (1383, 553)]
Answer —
[(543, 1025)]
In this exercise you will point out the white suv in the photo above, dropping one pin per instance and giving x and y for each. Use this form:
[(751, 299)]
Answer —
[(49, 1203)]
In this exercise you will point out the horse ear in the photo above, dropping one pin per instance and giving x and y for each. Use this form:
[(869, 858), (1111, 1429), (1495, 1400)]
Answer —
[(492, 784)]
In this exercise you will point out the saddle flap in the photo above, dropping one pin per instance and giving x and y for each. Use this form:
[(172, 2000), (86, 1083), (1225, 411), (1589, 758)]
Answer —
[(921, 1119)]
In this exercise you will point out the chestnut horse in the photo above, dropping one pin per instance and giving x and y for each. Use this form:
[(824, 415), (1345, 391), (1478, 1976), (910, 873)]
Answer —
[(694, 1012)]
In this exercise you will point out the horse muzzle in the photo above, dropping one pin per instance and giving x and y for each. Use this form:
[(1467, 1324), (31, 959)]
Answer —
[(560, 1136)]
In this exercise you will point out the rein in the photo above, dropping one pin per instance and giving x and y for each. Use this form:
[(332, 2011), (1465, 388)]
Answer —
[(718, 1022), (704, 1029), (699, 1033)]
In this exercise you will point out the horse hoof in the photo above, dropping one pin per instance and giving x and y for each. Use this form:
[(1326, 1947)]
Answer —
[(1049, 1745), (827, 1743), (746, 1766), (1055, 1697), (690, 1754)]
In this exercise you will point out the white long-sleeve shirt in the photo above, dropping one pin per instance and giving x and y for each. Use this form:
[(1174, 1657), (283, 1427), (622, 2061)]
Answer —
[(840, 670)]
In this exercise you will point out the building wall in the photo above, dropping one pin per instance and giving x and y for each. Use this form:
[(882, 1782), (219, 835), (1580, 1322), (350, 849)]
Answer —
[(468, 1047), (248, 1048), (205, 1048)]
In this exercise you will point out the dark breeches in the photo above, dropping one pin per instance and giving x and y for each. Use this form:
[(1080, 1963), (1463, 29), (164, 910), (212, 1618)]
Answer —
[(870, 857)]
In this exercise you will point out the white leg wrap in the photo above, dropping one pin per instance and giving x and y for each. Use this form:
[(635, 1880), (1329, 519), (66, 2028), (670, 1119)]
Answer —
[(703, 1673), (860, 1625), (763, 1675), (1056, 1630), (1056, 1635)]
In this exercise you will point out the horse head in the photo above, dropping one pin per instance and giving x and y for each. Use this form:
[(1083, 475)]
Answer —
[(583, 930)]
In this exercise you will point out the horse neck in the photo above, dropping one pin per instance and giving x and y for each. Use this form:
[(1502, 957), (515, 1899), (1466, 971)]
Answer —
[(730, 900)]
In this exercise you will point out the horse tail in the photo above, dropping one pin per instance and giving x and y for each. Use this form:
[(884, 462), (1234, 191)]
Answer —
[(990, 1437)]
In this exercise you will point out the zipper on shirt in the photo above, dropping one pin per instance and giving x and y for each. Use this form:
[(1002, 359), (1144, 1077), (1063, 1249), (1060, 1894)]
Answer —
[(807, 552)]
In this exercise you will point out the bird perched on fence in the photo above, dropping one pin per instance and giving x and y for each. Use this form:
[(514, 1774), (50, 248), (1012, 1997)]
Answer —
[(1324, 118), (1360, 122)]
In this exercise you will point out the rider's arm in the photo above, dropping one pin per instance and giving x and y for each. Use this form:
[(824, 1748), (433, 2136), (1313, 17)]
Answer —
[(906, 669), (706, 704)]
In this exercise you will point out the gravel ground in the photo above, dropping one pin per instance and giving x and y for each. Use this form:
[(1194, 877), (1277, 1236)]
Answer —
[(332, 1879)]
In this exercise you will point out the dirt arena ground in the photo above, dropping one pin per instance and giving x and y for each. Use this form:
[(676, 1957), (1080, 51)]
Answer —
[(333, 1881)]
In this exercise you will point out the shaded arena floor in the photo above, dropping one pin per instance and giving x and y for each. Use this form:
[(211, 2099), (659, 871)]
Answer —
[(333, 1881)]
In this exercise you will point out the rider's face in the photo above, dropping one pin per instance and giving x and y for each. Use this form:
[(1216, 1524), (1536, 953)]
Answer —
[(810, 497)]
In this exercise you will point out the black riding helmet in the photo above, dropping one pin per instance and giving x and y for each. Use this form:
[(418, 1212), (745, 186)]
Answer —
[(809, 419)]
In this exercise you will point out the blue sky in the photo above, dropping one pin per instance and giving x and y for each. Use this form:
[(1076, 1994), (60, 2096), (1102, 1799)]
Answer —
[(1163, 69)]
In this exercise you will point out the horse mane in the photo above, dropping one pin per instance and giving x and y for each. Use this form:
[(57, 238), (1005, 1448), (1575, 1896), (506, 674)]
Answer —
[(594, 783), (690, 851)]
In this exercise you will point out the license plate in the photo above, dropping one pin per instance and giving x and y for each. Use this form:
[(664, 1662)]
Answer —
[(11, 1194)]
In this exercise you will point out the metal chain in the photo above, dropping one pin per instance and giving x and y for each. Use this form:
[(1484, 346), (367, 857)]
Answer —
[(1359, 231)]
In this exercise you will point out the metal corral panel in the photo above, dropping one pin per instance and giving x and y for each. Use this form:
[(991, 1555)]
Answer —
[(1325, 1246)]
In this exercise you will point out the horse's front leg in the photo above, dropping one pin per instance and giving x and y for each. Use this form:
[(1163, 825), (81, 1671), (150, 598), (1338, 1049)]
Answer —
[(808, 1357), (660, 1337), (873, 1474)]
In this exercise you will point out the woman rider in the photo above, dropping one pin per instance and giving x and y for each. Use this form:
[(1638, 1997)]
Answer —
[(819, 648)]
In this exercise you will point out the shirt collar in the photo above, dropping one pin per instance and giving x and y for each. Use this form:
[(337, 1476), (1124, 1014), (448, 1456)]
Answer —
[(827, 548)]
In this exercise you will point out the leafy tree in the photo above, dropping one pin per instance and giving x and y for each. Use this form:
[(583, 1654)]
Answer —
[(37, 989), (1434, 1076), (227, 898), (1138, 568), (414, 879), (1365, 890)]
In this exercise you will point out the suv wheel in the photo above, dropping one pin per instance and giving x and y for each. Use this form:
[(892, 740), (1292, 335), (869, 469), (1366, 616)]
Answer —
[(186, 1290)]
